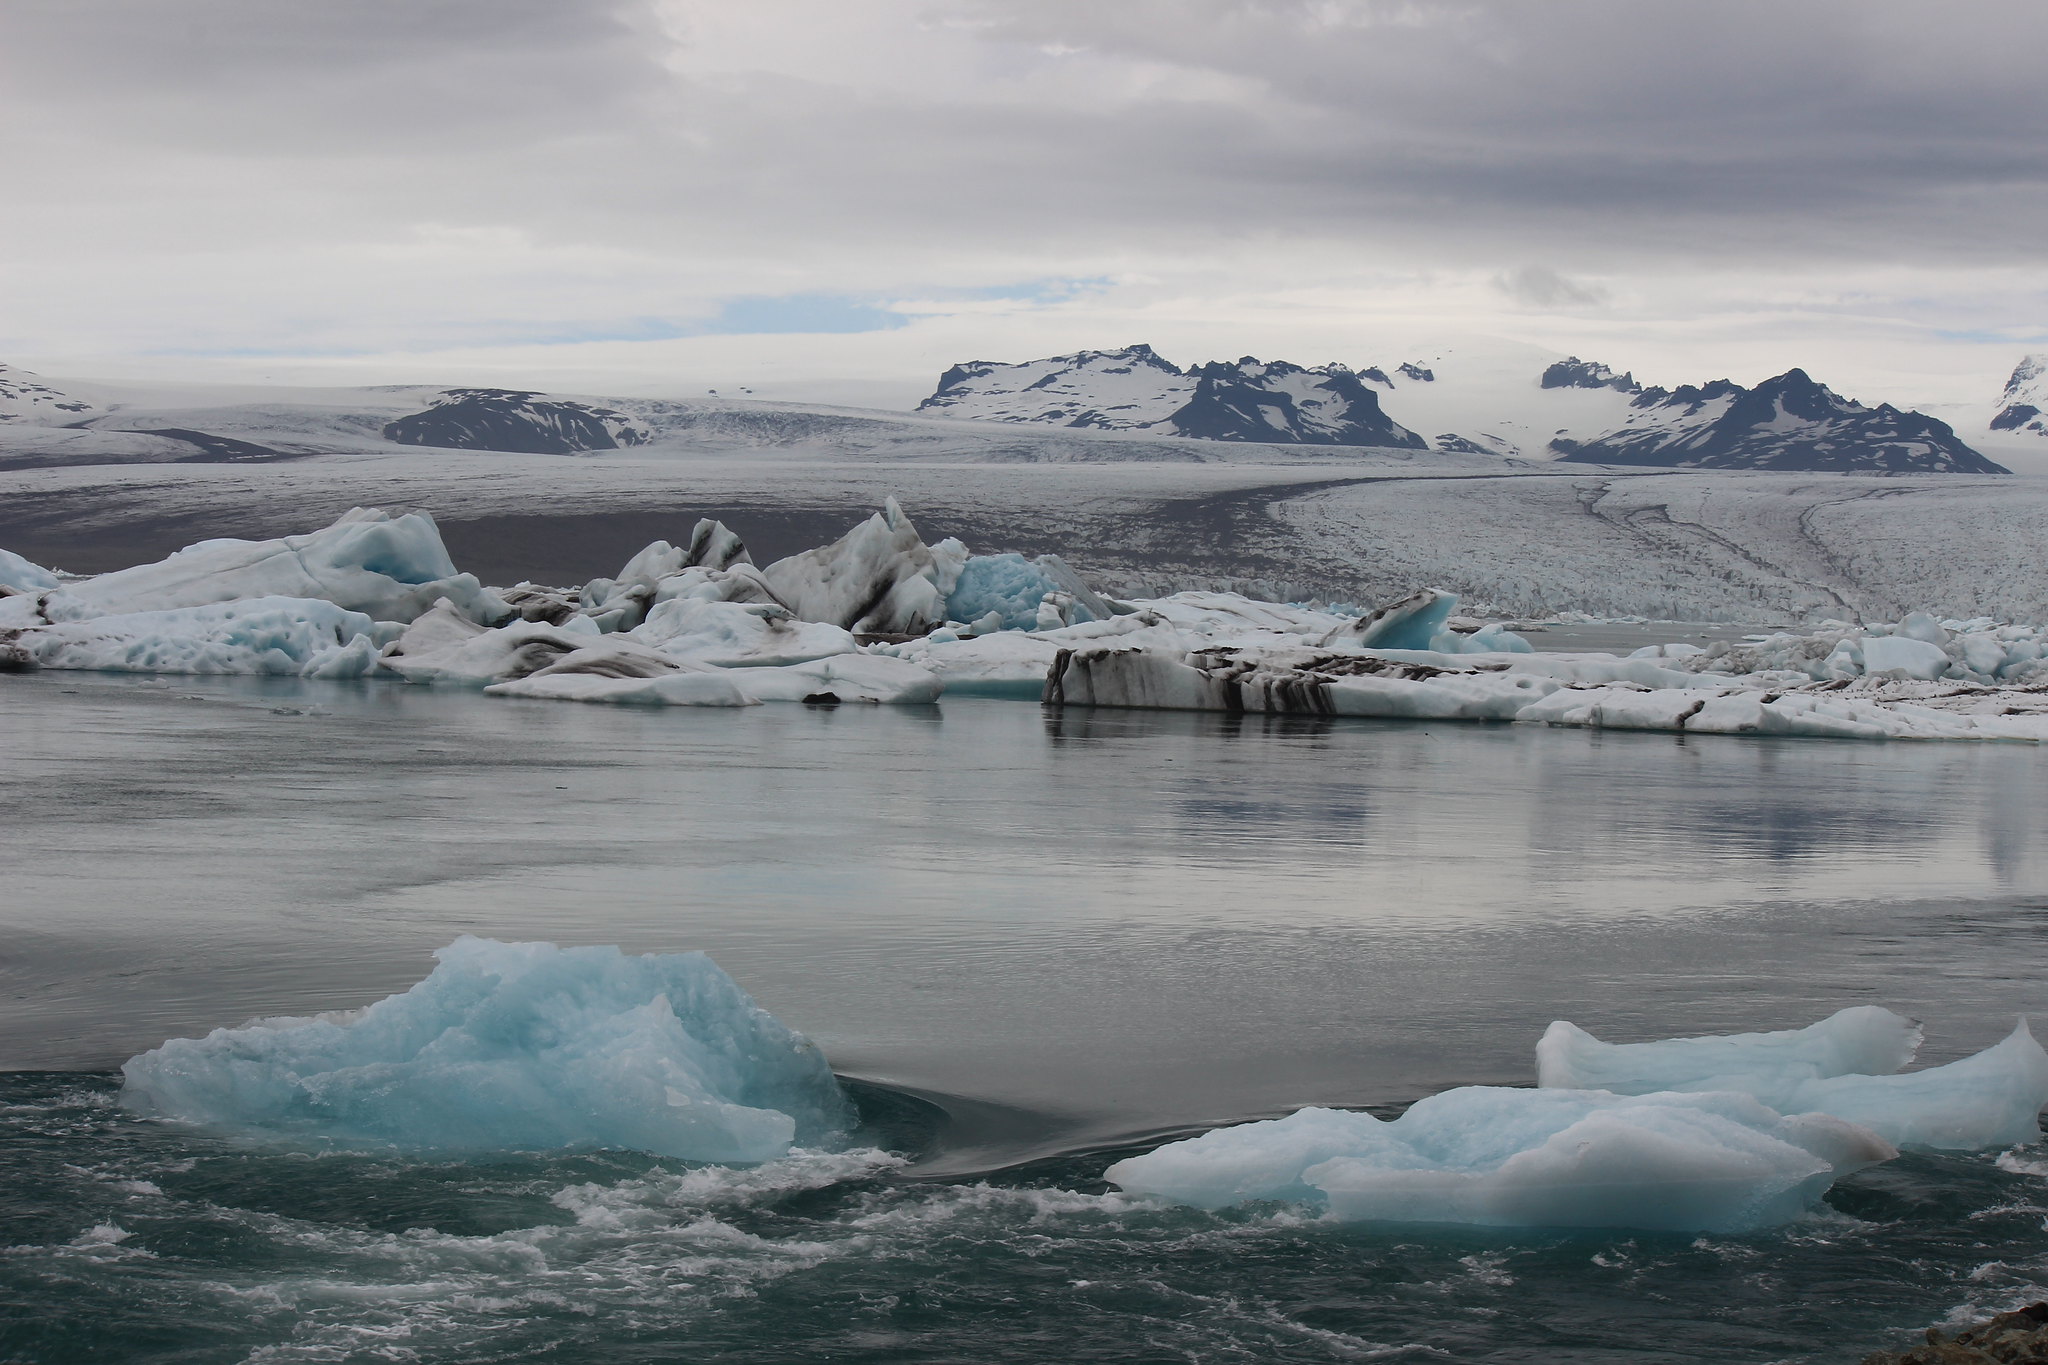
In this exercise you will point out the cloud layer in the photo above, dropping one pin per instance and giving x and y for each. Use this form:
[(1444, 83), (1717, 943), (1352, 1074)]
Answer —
[(374, 184)]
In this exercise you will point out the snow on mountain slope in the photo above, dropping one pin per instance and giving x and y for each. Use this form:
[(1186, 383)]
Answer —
[(27, 399), (2024, 405), (1786, 423), (516, 420), (1134, 389), (1496, 396)]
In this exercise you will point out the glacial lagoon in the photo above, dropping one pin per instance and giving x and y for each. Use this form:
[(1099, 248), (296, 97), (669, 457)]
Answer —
[(1034, 942)]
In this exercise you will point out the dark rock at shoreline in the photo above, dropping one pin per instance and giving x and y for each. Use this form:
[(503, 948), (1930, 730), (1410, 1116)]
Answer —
[(2016, 1338)]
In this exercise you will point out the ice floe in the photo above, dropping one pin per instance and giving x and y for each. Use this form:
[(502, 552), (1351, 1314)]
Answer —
[(516, 1046), (881, 616), (1501, 1157), (1723, 1133), (1848, 1065)]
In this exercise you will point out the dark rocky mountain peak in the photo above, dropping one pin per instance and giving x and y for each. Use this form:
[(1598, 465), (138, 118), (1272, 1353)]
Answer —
[(1787, 422), (516, 420), (1574, 373)]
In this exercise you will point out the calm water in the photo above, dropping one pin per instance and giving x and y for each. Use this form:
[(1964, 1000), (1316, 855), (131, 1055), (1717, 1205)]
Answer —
[(1034, 942)]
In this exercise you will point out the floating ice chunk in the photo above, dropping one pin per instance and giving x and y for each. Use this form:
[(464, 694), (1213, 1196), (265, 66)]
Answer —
[(1525, 1158), (589, 675), (1407, 624), (20, 575), (390, 567), (1842, 1066), (1014, 587), (844, 678), (516, 1046), (668, 689), (879, 578), (1915, 658), (493, 656), (739, 635), (266, 635), (1992, 1099), (1862, 1040)]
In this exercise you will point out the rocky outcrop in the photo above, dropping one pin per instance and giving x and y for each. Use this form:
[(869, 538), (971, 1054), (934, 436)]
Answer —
[(515, 420), (2017, 1338), (1134, 389)]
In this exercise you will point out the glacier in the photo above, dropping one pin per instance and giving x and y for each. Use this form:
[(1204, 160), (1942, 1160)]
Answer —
[(1848, 1065), (880, 616), (516, 1046), (1501, 1157)]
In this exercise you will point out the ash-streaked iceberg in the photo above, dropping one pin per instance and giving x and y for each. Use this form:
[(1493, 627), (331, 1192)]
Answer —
[(879, 578), (1499, 1157), (516, 1046), (1848, 1065)]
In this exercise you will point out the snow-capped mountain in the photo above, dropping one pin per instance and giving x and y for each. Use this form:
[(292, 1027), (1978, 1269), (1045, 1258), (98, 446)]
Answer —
[(27, 399), (1789, 422), (1574, 373), (515, 420), (2024, 405), (1135, 389)]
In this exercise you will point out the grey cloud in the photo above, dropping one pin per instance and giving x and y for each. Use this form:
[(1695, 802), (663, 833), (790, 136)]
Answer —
[(1539, 286), (1076, 138)]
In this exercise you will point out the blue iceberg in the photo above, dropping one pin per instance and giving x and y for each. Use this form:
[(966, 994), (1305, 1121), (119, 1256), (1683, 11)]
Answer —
[(1499, 1157), (517, 1046), (1013, 587)]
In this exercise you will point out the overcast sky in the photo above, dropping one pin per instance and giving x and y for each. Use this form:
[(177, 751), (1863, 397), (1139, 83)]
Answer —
[(837, 197)]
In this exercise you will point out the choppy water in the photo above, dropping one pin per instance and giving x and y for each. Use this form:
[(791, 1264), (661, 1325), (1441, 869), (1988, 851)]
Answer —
[(1039, 942)]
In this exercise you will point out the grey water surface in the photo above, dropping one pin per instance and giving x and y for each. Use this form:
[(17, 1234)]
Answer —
[(1035, 939)]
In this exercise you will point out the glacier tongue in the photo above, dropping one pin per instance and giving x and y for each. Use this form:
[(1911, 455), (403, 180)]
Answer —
[(516, 1046)]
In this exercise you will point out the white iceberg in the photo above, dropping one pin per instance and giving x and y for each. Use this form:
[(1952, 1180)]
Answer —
[(879, 578), (392, 568), (1864, 1039), (516, 1046), (1501, 1157), (19, 575), (286, 636), (727, 634), (1845, 1066)]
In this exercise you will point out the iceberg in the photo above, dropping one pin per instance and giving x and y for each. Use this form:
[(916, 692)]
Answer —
[(292, 637), (1014, 588), (739, 634), (1410, 623), (1844, 1066), (1499, 1157), (1862, 1040), (386, 566), (877, 579), (516, 1046), (18, 575)]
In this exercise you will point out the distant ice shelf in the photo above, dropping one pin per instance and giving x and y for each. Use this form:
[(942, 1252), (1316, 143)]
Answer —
[(880, 616)]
